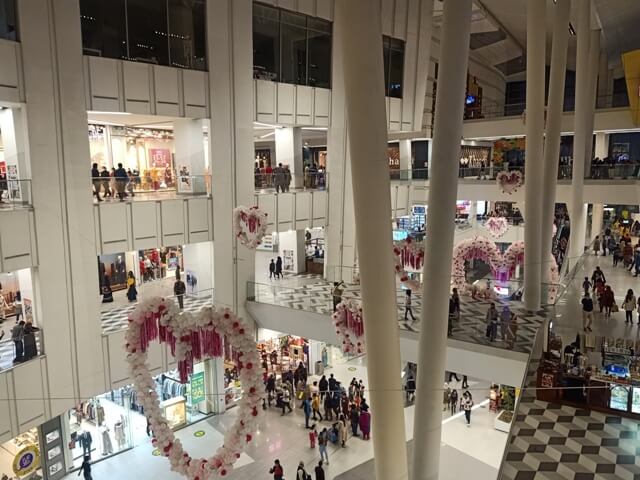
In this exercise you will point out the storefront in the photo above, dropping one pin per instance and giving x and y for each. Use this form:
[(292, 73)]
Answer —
[(147, 152), (21, 456), (160, 263), (17, 290), (411, 225)]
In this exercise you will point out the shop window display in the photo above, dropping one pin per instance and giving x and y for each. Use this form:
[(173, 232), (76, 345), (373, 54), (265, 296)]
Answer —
[(160, 263), (20, 457), (146, 154)]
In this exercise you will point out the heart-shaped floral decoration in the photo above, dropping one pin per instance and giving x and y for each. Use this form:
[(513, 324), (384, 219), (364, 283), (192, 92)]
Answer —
[(249, 226), (497, 226), (509, 182), (192, 337), (350, 326), (503, 266), (408, 255)]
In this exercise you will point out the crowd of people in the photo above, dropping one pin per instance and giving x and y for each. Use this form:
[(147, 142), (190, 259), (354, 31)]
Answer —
[(452, 402), (344, 410), (117, 182), (505, 321)]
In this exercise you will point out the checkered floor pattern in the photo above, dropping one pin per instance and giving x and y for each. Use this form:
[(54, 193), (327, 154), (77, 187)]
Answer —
[(471, 327), (550, 441)]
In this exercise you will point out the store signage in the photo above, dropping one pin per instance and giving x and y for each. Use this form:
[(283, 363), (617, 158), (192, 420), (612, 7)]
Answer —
[(159, 157), (26, 461), (197, 388)]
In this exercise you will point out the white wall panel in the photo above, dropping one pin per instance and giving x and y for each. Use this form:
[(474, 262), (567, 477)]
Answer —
[(167, 90), (145, 225), (286, 103), (103, 83), (15, 240), (285, 211), (308, 7), (28, 387), (324, 9), (173, 224), (198, 217), (137, 87), (9, 72), (322, 107), (395, 113), (114, 233), (303, 210), (265, 101), (319, 206), (288, 4), (118, 367), (304, 105), (267, 204), (388, 10), (402, 200), (400, 19), (195, 94), (6, 431)]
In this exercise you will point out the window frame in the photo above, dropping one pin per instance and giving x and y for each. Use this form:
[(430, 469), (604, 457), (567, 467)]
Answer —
[(386, 49)]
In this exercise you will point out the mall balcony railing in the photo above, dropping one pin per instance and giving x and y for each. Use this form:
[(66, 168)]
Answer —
[(7, 350), (175, 183), (270, 182), (493, 109), (15, 193)]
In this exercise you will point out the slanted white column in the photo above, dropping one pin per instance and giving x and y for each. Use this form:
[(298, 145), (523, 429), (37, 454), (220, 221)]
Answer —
[(360, 41), (66, 280), (597, 216), (289, 152), (534, 166), (584, 108), (473, 213), (405, 159), (443, 165), (552, 138), (231, 151), (189, 156)]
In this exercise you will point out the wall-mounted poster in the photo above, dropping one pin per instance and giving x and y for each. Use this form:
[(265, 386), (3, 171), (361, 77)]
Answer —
[(159, 157), (185, 184)]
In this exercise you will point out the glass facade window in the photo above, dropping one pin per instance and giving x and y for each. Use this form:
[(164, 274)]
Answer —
[(290, 47), (8, 20), (163, 32), (393, 52)]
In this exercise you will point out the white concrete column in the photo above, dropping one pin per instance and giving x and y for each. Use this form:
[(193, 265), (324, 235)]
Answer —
[(597, 217), (602, 145), (473, 213), (189, 156), (289, 152), (66, 280), (405, 159), (360, 41), (534, 165), (454, 52), (230, 53), (552, 137), (578, 211)]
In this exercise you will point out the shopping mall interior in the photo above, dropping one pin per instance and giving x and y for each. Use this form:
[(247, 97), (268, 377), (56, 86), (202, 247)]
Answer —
[(429, 277)]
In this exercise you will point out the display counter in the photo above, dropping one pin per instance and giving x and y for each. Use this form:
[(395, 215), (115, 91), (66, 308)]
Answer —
[(175, 411)]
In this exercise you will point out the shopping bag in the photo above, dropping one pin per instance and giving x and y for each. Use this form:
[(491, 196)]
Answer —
[(614, 308)]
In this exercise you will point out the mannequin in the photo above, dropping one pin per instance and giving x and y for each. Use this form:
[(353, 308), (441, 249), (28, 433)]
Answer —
[(107, 447)]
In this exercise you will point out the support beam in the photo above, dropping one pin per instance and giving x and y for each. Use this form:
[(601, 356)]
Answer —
[(360, 41), (454, 54), (554, 121), (534, 166)]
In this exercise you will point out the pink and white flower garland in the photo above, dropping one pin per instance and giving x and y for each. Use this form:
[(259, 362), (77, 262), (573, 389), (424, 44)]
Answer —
[(249, 226), (408, 255), (350, 326), (192, 337), (509, 182), (497, 226)]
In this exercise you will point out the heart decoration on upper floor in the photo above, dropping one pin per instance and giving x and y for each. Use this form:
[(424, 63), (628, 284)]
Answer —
[(497, 226), (349, 325), (510, 181), (193, 337), (249, 225)]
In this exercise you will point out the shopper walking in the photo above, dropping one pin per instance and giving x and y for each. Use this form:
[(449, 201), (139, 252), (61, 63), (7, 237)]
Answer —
[(85, 468), (277, 471), (608, 301), (121, 179), (492, 322), (467, 404), (301, 473), (29, 341), (337, 294), (407, 306), (315, 406), (95, 181), (598, 277), (454, 401), (586, 285), (179, 289), (306, 409), (279, 178), (279, 267), (132, 292), (365, 422), (322, 445), (596, 245), (313, 436), (323, 386), (465, 381), (587, 312), (17, 335), (286, 401), (319, 471), (354, 419), (272, 269), (342, 431), (107, 293), (446, 397), (104, 180), (506, 317), (629, 306)]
